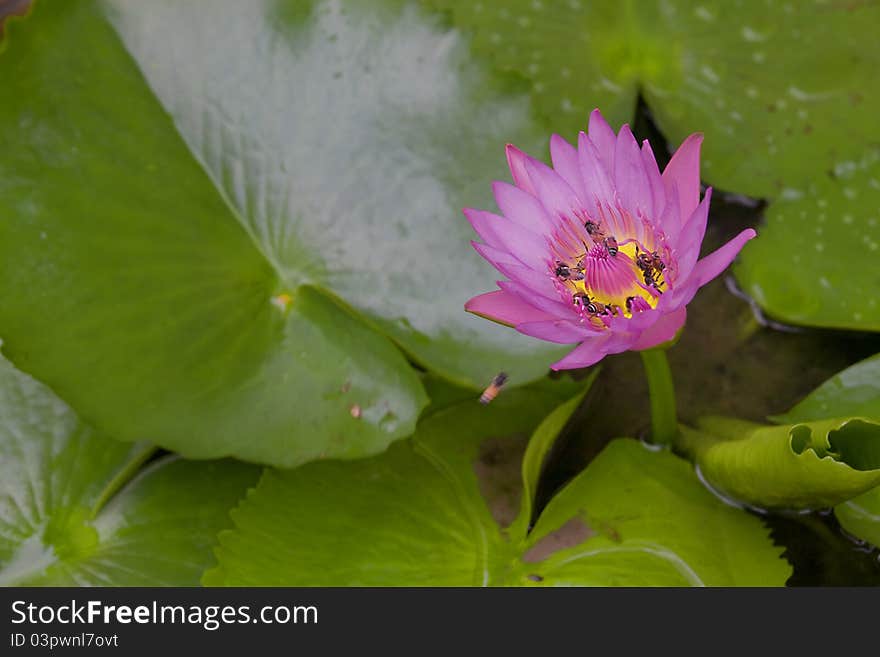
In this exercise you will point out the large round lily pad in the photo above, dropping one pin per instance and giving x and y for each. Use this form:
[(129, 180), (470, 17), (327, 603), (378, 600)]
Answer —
[(210, 247), (816, 261), (441, 510), (77, 509), (783, 91), (854, 391)]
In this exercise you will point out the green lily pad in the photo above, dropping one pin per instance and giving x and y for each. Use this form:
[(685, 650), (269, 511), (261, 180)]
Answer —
[(652, 523), (805, 465), (575, 55), (411, 516), (151, 223), (854, 391), (436, 511), (357, 185), (815, 261), (354, 187), (536, 453), (784, 92), (860, 516), (75, 510)]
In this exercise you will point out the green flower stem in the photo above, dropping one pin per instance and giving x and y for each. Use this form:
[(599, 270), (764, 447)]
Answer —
[(664, 425)]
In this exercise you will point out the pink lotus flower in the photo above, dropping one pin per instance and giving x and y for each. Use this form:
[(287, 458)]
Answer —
[(602, 249)]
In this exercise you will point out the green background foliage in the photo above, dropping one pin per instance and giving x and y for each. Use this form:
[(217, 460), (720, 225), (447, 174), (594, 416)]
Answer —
[(75, 510), (634, 517), (806, 465), (172, 173), (156, 201)]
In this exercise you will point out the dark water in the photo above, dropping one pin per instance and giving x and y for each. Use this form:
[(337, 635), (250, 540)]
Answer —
[(729, 361)]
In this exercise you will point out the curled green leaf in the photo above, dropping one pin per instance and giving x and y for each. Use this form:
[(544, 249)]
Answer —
[(854, 391), (806, 465)]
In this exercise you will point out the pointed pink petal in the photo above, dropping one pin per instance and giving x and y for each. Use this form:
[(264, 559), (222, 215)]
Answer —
[(539, 282), (554, 193), (484, 226), (498, 258), (639, 322), (560, 330), (522, 208), (585, 354), (707, 269), (528, 247), (618, 342), (670, 220), (652, 171), (682, 174), (630, 180), (603, 137), (516, 161), (681, 295), (597, 179), (505, 308), (687, 248), (554, 307), (565, 162), (592, 350), (663, 330), (717, 261)]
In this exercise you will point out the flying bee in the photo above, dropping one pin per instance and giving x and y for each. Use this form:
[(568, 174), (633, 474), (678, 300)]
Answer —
[(494, 388), (610, 244)]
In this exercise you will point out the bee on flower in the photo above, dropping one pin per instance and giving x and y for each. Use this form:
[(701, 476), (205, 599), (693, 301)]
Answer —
[(601, 250)]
